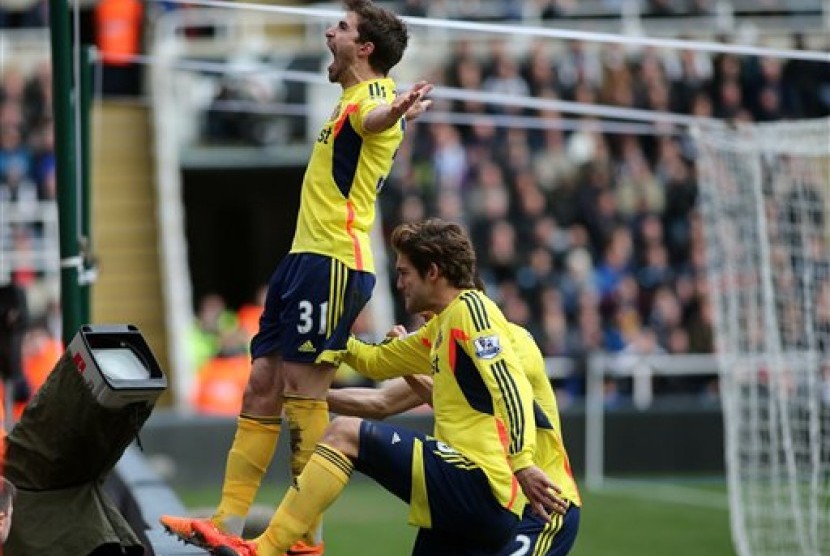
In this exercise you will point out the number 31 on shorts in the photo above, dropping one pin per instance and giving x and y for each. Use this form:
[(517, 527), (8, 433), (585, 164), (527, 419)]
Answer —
[(306, 317)]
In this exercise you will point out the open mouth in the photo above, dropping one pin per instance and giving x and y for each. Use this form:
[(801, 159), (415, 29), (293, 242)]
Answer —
[(333, 54)]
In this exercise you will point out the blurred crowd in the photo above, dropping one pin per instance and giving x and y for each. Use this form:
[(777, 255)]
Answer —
[(27, 163), (27, 184), (590, 239), (515, 10)]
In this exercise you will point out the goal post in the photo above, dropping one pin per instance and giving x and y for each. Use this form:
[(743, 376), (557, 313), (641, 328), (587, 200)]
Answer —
[(765, 208)]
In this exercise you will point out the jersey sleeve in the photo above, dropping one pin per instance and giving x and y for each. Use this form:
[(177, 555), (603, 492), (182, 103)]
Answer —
[(377, 93), (487, 341), (396, 357)]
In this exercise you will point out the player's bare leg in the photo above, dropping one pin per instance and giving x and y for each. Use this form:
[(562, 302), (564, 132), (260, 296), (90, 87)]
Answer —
[(258, 429)]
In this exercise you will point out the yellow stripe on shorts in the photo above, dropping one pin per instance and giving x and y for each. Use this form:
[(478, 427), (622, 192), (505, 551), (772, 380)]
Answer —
[(337, 292), (545, 539)]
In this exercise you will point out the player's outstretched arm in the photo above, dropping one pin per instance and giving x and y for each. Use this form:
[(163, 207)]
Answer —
[(386, 115), (395, 396)]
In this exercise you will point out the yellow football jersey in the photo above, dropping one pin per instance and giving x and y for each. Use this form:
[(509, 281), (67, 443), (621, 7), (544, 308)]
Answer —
[(551, 455), (347, 168), (483, 401)]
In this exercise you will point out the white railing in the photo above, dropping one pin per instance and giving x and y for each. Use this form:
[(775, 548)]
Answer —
[(642, 369), (23, 48), (38, 252), (634, 16)]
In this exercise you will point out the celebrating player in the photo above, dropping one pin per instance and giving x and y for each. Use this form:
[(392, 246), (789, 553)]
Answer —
[(534, 535), (320, 287)]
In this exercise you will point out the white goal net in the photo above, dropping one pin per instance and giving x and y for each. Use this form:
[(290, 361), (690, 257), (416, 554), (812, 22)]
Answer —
[(765, 204)]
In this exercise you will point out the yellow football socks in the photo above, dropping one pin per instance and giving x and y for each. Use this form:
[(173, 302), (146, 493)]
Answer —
[(307, 421), (320, 483), (248, 460)]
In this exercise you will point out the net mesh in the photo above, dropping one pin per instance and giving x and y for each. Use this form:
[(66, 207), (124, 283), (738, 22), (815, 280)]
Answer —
[(765, 200)]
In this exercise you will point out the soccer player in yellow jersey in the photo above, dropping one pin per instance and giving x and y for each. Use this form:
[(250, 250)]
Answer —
[(535, 536), (320, 287), (467, 485)]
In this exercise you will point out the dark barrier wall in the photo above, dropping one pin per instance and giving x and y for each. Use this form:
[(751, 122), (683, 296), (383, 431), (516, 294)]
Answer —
[(664, 441), (192, 450)]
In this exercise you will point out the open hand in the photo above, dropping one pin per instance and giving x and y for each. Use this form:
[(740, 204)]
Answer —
[(412, 103), (542, 494)]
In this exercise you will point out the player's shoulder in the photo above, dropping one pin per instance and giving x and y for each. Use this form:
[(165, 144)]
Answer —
[(381, 89), (483, 313), (520, 334)]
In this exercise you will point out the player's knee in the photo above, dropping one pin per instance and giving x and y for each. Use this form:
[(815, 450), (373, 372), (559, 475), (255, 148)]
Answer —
[(263, 389), (343, 434), (306, 380)]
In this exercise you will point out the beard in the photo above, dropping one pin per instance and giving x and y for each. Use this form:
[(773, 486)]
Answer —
[(415, 304)]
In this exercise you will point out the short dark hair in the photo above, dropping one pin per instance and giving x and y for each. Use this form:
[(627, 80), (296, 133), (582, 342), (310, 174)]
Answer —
[(444, 244), (382, 28)]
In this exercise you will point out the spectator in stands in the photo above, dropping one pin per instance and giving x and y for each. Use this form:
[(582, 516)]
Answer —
[(42, 148), (554, 322), (501, 251), (17, 188), (577, 279), (413, 8), (37, 96), (530, 206), (577, 66), (13, 152), (823, 318), (616, 263), (551, 163), (118, 34), (537, 69), (554, 9), (505, 79), (661, 8), (213, 322), (221, 379), (41, 352), (249, 313), (695, 70), (25, 272), (488, 197), (767, 97), (638, 191), (808, 82), (449, 158), (12, 88)]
